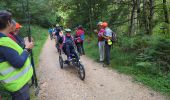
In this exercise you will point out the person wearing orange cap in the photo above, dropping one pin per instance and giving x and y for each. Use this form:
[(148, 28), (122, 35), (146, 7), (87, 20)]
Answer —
[(18, 26), (14, 34), (107, 36), (20, 40)]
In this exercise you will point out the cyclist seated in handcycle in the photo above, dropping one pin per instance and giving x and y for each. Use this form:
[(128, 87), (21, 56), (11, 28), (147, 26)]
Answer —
[(68, 46)]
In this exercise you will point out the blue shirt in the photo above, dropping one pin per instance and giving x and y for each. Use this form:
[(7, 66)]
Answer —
[(10, 55), (57, 31), (50, 31), (108, 32)]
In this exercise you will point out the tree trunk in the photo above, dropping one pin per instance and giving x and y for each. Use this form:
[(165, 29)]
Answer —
[(151, 6), (131, 27), (89, 6), (138, 12), (145, 16), (90, 16), (166, 15), (165, 11)]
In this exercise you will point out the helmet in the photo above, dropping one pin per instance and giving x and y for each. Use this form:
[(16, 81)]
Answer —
[(99, 23), (104, 24), (57, 25), (67, 30), (80, 26)]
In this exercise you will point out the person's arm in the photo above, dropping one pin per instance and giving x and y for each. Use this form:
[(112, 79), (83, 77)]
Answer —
[(106, 37), (107, 34), (12, 56)]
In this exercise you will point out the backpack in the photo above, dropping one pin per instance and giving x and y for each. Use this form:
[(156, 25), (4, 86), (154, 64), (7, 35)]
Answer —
[(113, 39)]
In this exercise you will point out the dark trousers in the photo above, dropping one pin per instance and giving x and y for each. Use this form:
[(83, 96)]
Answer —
[(69, 50), (107, 53), (80, 48), (22, 94), (51, 35)]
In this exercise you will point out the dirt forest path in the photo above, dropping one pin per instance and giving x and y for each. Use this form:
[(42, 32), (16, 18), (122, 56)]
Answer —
[(100, 84)]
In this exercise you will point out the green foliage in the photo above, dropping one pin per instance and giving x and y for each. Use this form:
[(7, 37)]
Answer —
[(157, 53), (91, 47), (144, 57), (40, 36), (41, 11)]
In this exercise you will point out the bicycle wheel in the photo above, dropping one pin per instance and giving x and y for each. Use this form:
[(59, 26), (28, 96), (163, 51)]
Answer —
[(59, 51), (61, 62), (81, 72)]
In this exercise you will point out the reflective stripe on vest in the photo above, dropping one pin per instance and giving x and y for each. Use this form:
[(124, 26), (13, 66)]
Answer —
[(16, 76), (9, 70), (12, 78)]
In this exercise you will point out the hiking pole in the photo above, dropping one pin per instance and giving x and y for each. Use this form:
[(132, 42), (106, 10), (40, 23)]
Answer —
[(32, 58), (25, 17)]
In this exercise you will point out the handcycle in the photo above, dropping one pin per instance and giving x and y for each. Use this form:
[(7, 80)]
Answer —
[(74, 61)]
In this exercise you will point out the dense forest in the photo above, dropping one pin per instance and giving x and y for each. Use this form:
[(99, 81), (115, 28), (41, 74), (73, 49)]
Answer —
[(130, 16), (142, 48)]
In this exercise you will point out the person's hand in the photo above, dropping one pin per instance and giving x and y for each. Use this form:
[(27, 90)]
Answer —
[(53, 33), (96, 31), (27, 39), (61, 33), (29, 45)]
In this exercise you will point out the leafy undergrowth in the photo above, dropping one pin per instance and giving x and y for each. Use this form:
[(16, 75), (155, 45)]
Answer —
[(125, 56), (40, 35)]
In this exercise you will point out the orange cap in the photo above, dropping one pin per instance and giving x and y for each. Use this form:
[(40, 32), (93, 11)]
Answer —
[(104, 24), (18, 26)]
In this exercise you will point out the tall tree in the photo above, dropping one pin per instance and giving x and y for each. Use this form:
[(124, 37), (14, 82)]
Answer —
[(150, 18), (166, 16), (138, 2), (132, 25)]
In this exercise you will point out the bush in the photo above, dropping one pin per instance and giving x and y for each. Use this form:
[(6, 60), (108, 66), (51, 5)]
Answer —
[(158, 53)]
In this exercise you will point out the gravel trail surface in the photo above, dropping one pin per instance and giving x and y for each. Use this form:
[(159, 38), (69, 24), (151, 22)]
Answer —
[(101, 83)]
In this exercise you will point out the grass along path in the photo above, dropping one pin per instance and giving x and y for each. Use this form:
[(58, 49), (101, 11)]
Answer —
[(100, 83), (125, 63)]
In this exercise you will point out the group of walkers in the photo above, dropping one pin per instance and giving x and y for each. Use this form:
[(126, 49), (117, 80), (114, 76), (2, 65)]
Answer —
[(67, 42), (106, 37), (15, 66)]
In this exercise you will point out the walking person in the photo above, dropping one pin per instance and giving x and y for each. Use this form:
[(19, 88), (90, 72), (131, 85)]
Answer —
[(50, 31), (56, 35), (107, 37), (101, 42), (80, 39), (15, 66)]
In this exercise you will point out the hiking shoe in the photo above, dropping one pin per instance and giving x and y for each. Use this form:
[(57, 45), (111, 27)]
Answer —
[(101, 61)]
